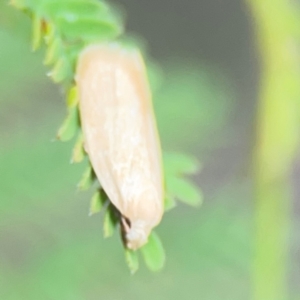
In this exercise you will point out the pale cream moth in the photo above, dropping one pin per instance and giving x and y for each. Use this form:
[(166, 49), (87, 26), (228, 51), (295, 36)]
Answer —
[(120, 135)]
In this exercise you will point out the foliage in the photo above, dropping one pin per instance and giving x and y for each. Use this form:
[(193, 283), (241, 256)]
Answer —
[(66, 27)]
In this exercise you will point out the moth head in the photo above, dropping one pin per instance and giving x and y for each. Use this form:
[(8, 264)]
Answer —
[(135, 234), (140, 219)]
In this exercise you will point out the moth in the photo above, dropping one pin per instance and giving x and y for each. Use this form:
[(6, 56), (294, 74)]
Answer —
[(120, 135)]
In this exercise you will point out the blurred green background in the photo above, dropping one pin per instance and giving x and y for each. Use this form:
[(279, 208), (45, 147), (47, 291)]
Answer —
[(51, 249)]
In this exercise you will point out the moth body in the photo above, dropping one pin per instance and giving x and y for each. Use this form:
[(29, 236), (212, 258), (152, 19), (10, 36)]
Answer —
[(120, 135)]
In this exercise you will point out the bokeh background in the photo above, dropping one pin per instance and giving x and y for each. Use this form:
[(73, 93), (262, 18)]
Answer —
[(206, 105)]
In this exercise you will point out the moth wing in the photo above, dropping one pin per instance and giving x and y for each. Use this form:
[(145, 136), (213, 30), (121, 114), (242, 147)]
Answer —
[(119, 129)]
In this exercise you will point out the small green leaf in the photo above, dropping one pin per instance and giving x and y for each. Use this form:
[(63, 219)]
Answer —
[(61, 70), (184, 191), (49, 35), (169, 203), (74, 51), (36, 32), (53, 52), (132, 260), (154, 253), (72, 98), (180, 164), (87, 179), (74, 10), (97, 202), (110, 221), (78, 153), (69, 126), (89, 30)]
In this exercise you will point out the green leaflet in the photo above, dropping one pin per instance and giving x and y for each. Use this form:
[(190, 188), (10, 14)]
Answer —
[(36, 31), (111, 219), (69, 126), (184, 191), (132, 260), (98, 201), (169, 203), (72, 97), (49, 34), (87, 179), (180, 164), (54, 51), (78, 152), (175, 166), (61, 71), (75, 9), (154, 253), (88, 30)]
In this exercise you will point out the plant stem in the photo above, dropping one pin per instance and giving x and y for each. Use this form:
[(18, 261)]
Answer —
[(277, 137)]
